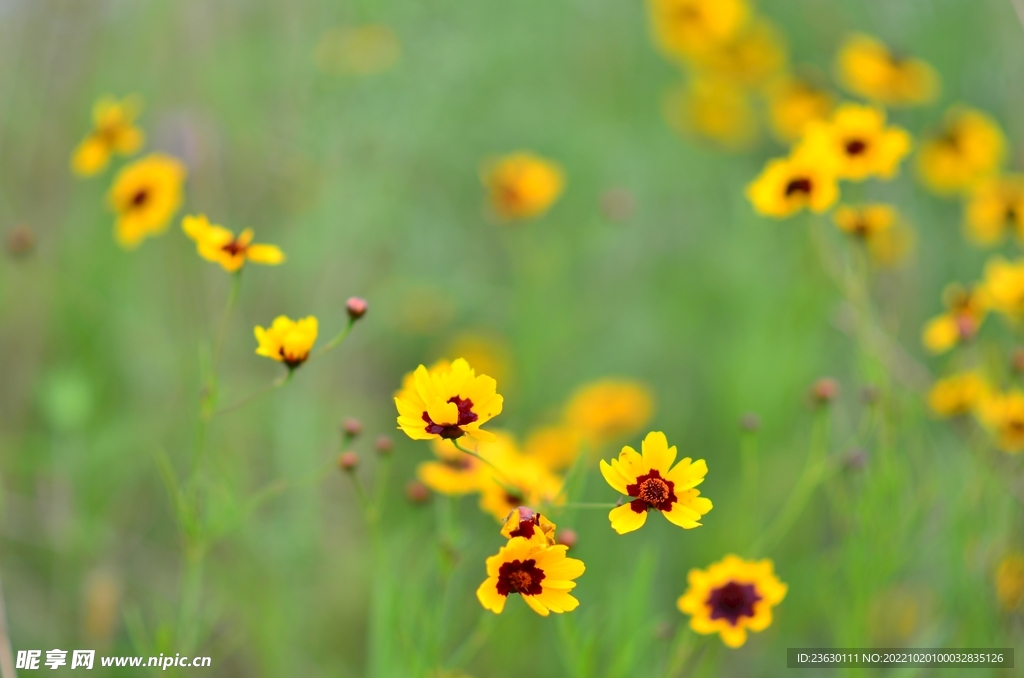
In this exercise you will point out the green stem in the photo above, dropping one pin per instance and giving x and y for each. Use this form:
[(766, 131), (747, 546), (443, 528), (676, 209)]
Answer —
[(338, 338), (277, 383), (505, 483), (236, 286), (588, 505)]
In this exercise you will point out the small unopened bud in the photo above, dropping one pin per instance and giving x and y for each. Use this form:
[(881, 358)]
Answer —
[(356, 307), (618, 204), (525, 513), (750, 422), (20, 241), (567, 537), (1017, 359), (824, 391), (351, 427), (870, 394), (348, 461), (417, 492), (856, 459), (383, 444)]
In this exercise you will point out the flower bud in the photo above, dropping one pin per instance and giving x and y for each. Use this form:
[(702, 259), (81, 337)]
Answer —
[(824, 391), (20, 241), (356, 307), (348, 461), (750, 422), (383, 444), (351, 427), (416, 492), (856, 459), (567, 537), (1017, 359)]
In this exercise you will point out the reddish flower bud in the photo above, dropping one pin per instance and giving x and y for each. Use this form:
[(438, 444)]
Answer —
[(416, 492), (1017, 359), (348, 461), (750, 422), (356, 307), (383, 444), (351, 427), (567, 537), (20, 241), (824, 391)]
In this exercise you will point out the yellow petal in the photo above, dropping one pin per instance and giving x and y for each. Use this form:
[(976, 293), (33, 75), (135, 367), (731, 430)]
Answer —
[(656, 452), (613, 477), (265, 254), (489, 597), (624, 519)]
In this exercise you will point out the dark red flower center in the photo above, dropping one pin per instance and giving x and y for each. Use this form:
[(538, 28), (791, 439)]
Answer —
[(453, 430), (732, 601), (652, 492), (523, 577), (234, 248), (798, 185), (290, 360), (140, 198), (527, 528), (856, 146)]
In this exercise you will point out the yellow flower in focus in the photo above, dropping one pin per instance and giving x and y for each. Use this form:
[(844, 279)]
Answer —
[(358, 50), (970, 146), (958, 394), (114, 131), (528, 524), (286, 340), (522, 185), (608, 409), (865, 221), (541, 574), (793, 103), (750, 58), (1010, 581), (219, 245), (868, 68), (684, 28), (961, 322), (858, 143), (1003, 414), (788, 185), (714, 108), (731, 597), (555, 446), (145, 195), (656, 484), (523, 481), (455, 472), (448, 401), (1003, 286), (995, 205)]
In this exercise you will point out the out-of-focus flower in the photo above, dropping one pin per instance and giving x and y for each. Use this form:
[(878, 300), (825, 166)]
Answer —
[(995, 205), (969, 146), (750, 58), (793, 103), (456, 472), (219, 245), (788, 185), (145, 196), (287, 341), (731, 597), (608, 409), (540, 573), (966, 310), (655, 484), (555, 446), (713, 108), (1010, 581), (521, 185), (865, 221), (448, 401), (114, 131), (523, 481), (857, 143), (489, 353), (894, 615), (356, 308), (20, 241), (358, 50), (1003, 286), (892, 247), (868, 68), (685, 28), (1003, 414), (102, 607), (348, 461), (957, 394), (416, 492), (527, 523), (824, 390)]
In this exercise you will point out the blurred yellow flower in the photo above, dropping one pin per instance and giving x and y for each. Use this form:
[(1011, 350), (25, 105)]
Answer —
[(145, 195), (750, 58), (555, 446), (788, 185), (715, 108), (966, 310), (608, 409), (541, 574), (731, 597), (358, 50), (1010, 581), (995, 205), (892, 247), (858, 143), (219, 245), (868, 68), (522, 185), (286, 340), (1003, 414), (113, 131), (455, 472), (523, 481), (957, 394), (448, 401), (489, 353), (865, 221), (656, 484), (793, 103), (684, 28), (1003, 286), (970, 146), (527, 523)]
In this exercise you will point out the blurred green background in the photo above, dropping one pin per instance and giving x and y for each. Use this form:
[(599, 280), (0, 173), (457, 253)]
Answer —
[(370, 185)]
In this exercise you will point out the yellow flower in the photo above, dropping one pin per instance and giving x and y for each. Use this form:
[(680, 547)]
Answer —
[(1003, 286), (448, 401), (995, 205), (715, 108), (750, 57), (522, 185), (113, 132), (455, 472), (858, 143), (865, 221), (1010, 581), (892, 246), (555, 446), (969, 146), (358, 50), (793, 103), (541, 574), (1003, 413), (488, 352), (656, 485), (218, 244), (608, 409), (287, 341), (788, 185), (868, 68), (522, 481), (145, 196), (966, 311), (683, 28), (957, 394), (526, 523), (731, 597)]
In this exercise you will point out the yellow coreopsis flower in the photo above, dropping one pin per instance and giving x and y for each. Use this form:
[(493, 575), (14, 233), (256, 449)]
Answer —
[(1010, 581), (145, 196), (608, 409), (731, 597), (793, 103), (788, 185), (751, 57), (522, 481), (557, 447), (684, 28), (868, 68), (448, 401), (219, 245), (522, 185), (655, 484), (858, 143), (865, 221), (995, 205), (957, 394), (966, 310), (527, 523), (713, 108), (1003, 414), (287, 341), (540, 573), (969, 147), (455, 472), (114, 131), (1003, 286)]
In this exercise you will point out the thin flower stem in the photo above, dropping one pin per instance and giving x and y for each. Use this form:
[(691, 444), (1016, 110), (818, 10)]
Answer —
[(506, 484), (277, 383), (589, 505), (338, 338), (6, 654), (236, 286)]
